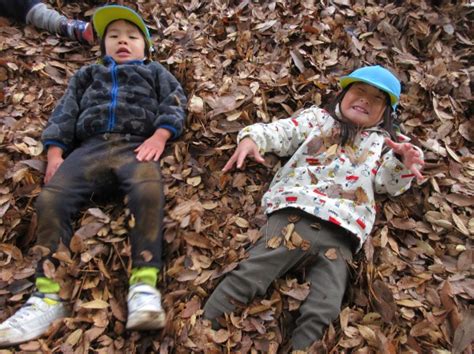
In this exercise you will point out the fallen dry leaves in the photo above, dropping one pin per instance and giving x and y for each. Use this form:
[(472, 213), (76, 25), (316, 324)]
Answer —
[(243, 62)]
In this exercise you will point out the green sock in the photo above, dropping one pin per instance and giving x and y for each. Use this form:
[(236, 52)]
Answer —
[(47, 286), (147, 275)]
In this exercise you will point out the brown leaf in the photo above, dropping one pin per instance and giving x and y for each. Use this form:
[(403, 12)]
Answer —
[(74, 337), (361, 196), (77, 244), (383, 300), (220, 336), (287, 231), (296, 239), (446, 296), (196, 240), (294, 218), (191, 307), (298, 292), (117, 310), (331, 254), (99, 214), (274, 242), (305, 245), (146, 255), (464, 334), (95, 304), (421, 329), (403, 224)]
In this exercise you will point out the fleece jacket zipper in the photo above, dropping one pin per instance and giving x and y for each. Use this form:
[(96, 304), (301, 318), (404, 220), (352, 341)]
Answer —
[(113, 97)]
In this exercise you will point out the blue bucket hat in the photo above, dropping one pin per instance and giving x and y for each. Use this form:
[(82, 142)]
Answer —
[(376, 76)]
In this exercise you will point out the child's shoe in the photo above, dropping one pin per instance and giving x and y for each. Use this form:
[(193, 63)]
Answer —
[(144, 308), (78, 30), (32, 320)]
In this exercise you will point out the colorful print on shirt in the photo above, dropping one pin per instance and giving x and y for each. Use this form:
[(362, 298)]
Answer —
[(322, 178)]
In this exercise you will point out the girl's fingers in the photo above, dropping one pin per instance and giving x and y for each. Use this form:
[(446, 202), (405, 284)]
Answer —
[(393, 145), (259, 158), (409, 147), (228, 166), (230, 163), (419, 162), (241, 159), (416, 171), (243, 150)]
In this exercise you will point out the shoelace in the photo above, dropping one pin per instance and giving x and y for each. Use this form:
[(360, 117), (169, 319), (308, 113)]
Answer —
[(22, 314), (27, 310)]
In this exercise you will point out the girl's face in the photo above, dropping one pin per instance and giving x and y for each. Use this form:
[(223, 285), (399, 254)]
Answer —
[(363, 104), (124, 42)]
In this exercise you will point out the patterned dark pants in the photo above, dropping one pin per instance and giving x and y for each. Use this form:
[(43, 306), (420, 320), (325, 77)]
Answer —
[(101, 160), (328, 275)]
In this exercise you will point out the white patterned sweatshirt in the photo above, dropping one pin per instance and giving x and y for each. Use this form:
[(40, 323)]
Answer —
[(335, 183)]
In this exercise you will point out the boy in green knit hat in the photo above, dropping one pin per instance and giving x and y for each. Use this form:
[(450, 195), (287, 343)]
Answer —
[(111, 124)]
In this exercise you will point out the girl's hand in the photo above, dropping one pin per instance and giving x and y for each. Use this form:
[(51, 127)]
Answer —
[(411, 157), (152, 148), (246, 147), (55, 159)]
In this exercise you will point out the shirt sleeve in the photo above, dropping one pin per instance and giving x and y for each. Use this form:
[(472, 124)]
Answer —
[(392, 176), (284, 136), (172, 102), (60, 129)]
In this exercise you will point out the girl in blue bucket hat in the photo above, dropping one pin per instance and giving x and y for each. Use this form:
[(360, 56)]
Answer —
[(320, 204), (109, 129)]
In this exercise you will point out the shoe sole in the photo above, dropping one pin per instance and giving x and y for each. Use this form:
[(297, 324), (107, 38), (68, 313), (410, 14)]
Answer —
[(147, 322), (89, 35)]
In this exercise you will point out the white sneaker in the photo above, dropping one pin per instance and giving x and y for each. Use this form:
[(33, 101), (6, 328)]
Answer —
[(32, 319), (144, 308)]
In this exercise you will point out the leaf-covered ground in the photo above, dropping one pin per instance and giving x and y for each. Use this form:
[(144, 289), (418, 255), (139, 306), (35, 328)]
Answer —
[(242, 62)]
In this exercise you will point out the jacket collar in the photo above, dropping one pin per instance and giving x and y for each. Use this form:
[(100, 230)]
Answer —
[(108, 60)]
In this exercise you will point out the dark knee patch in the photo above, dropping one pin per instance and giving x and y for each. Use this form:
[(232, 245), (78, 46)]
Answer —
[(147, 171)]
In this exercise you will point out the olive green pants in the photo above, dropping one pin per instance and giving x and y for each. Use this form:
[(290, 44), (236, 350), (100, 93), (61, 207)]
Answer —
[(327, 273)]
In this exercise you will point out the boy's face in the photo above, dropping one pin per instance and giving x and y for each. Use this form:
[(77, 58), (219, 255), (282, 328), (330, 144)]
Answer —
[(363, 104), (124, 42)]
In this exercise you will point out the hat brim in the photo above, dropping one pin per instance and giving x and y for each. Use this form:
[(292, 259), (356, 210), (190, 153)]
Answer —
[(347, 80), (107, 14)]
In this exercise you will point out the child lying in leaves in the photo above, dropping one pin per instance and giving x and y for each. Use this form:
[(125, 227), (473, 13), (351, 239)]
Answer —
[(113, 122), (320, 205)]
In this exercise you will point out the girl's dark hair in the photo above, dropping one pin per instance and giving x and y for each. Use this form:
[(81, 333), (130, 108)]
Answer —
[(349, 130), (103, 53)]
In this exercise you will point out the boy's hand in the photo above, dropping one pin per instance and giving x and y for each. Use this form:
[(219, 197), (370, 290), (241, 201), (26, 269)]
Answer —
[(152, 148), (55, 159), (246, 147), (411, 157)]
